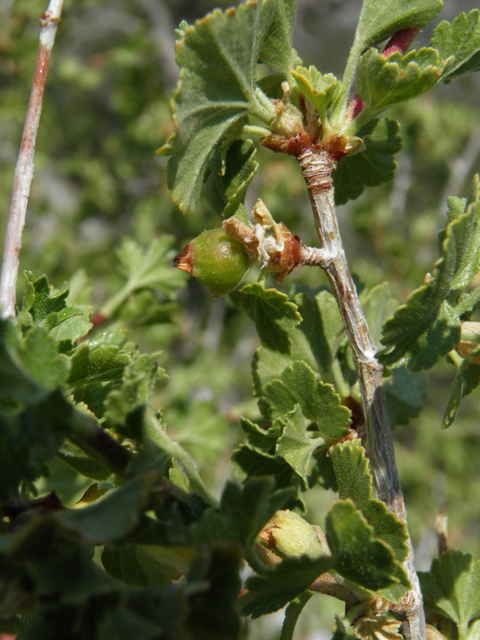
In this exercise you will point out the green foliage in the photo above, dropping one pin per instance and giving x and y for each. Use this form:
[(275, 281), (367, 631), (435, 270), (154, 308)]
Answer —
[(451, 589), (371, 167), (428, 325), (147, 551), (458, 45)]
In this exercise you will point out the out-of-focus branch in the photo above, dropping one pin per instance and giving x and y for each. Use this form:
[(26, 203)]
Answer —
[(24, 168)]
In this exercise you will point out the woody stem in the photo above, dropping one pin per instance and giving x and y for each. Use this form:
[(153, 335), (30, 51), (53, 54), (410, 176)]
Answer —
[(317, 171)]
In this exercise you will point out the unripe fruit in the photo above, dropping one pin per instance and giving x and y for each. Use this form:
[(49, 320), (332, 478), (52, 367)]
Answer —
[(216, 260), (292, 536)]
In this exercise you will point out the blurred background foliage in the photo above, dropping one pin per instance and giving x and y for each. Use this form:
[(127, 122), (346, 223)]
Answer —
[(98, 179)]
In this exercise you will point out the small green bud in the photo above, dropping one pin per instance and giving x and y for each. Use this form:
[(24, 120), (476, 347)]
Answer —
[(292, 536), (216, 260)]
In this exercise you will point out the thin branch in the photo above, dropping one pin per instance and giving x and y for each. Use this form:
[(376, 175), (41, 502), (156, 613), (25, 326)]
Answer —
[(317, 171), (24, 168)]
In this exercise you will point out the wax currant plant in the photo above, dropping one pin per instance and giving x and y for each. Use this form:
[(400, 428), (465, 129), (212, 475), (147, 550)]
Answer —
[(332, 127), (109, 529)]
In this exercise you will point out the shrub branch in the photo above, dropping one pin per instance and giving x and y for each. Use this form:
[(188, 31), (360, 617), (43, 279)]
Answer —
[(317, 171), (24, 168)]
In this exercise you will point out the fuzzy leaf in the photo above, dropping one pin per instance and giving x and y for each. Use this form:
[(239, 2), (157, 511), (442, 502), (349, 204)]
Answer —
[(404, 394), (286, 581), (372, 166), (427, 325), (33, 431), (315, 341), (458, 45), (274, 316), (467, 378), (295, 446), (354, 480), (216, 93), (318, 401), (224, 193), (100, 364), (383, 82), (352, 541), (452, 589), (242, 514), (277, 50), (352, 471), (321, 90), (379, 19), (251, 461)]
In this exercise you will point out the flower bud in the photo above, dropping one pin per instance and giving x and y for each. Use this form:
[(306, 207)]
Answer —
[(289, 121), (216, 260)]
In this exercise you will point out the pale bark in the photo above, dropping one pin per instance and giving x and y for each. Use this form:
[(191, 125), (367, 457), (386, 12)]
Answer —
[(24, 168), (317, 171)]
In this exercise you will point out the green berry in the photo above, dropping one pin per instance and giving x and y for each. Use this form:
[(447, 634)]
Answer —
[(216, 260)]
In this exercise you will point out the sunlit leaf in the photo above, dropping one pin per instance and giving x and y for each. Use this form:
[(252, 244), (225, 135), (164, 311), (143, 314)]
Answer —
[(458, 45)]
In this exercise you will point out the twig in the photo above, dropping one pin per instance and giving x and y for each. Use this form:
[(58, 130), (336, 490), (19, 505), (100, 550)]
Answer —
[(317, 171), (24, 168)]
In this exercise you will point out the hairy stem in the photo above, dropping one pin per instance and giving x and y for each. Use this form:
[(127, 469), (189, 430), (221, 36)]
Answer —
[(24, 168), (317, 170)]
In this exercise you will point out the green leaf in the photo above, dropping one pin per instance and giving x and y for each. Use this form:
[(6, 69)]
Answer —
[(295, 446), (451, 589), (322, 90), (138, 381), (458, 45), (274, 316), (467, 378), (216, 92), (277, 50), (372, 166), (315, 341), (383, 82), (242, 514), (354, 481), (318, 401), (379, 19), (32, 431), (145, 565), (98, 364), (427, 325), (37, 352), (352, 471), (225, 192), (404, 393), (378, 306), (282, 584), (358, 555), (39, 298)]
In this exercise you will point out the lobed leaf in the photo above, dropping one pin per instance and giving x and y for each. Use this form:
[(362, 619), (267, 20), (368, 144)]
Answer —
[(351, 540), (380, 19), (282, 584), (216, 92), (295, 445), (427, 325), (458, 45), (322, 90), (371, 167), (274, 316), (383, 82), (451, 589), (318, 401)]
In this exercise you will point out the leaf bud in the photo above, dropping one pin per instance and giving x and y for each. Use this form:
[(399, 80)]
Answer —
[(216, 260), (290, 535)]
